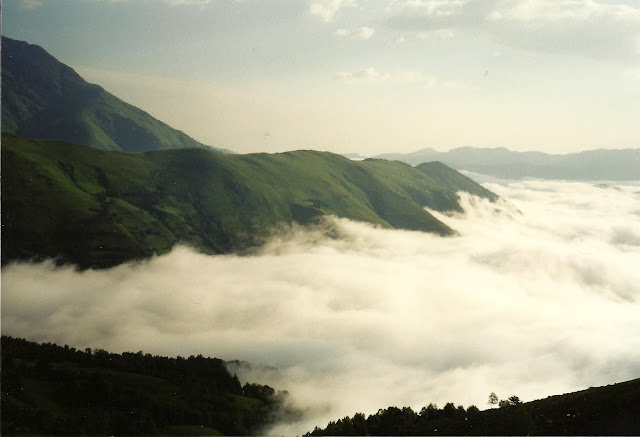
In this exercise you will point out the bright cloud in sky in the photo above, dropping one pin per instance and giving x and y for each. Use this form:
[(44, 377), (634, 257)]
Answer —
[(31, 4), (363, 32), (366, 75), (326, 9), (558, 71), (538, 295)]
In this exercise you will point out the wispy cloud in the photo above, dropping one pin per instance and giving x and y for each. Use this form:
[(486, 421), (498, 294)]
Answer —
[(30, 4), (362, 32), (582, 27), (416, 78), (371, 75), (188, 2), (326, 9), (365, 75)]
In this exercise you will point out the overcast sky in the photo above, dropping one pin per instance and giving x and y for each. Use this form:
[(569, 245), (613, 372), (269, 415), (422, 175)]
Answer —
[(359, 75)]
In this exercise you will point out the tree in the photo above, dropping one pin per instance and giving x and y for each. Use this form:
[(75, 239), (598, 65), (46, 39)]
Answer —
[(493, 399), (515, 400)]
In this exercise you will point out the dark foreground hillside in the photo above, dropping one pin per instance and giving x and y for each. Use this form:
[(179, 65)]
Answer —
[(54, 390), (97, 208), (609, 410)]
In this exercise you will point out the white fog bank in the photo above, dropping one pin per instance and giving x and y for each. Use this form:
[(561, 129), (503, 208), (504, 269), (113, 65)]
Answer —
[(538, 295)]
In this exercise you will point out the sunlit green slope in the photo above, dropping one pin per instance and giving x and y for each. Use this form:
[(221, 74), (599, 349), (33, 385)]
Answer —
[(100, 208)]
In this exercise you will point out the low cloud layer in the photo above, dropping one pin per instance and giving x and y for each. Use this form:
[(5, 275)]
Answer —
[(539, 295)]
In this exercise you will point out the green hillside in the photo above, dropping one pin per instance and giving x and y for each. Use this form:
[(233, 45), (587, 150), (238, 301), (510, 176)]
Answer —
[(54, 390), (450, 177), (609, 410), (43, 98), (100, 208)]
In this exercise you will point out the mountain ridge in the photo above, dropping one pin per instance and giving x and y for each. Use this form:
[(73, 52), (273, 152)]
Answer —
[(596, 164), (45, 99), (99, 208)]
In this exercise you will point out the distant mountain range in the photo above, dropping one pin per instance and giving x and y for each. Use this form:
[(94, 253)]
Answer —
[(601, 164), (99, 208), (45, 99)]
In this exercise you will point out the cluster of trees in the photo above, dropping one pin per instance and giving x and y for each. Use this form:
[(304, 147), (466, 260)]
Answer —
[(431, 420), (610, 410), (511, 402), (59, 390)]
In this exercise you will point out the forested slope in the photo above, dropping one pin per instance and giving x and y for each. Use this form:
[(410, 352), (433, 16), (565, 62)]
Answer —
[(58, 390), (609, 410)]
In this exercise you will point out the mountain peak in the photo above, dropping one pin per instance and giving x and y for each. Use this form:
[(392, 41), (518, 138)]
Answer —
[(46, 99)]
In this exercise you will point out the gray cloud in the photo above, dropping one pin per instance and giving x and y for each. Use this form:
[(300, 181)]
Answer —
[(601, 30), (540, 294)]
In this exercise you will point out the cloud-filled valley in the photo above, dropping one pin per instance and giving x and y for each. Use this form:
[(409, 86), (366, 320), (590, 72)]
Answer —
[(539, 294)]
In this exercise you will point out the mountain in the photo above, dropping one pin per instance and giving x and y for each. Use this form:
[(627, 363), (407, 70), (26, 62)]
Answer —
[(100, 208), (54, 390), (609, 410), (601, 164), (43, 98)]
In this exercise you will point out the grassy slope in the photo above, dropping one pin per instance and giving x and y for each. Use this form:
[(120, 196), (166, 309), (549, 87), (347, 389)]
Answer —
[(450, 177), (98, 208), (43, 98)]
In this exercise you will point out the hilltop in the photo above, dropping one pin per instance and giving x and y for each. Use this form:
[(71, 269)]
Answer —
[(46, 99), (98, 208)]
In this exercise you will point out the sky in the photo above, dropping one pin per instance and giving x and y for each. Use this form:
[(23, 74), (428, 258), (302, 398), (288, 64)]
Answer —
[(538, 295), (359, 76)]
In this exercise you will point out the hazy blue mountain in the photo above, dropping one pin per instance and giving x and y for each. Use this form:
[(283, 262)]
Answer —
[(43, 98), (601, 164)]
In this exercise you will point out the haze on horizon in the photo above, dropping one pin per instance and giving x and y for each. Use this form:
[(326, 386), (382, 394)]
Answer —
[(359, 75)]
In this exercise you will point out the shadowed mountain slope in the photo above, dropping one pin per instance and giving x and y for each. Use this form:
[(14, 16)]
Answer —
[(43, 98), (100, 208)]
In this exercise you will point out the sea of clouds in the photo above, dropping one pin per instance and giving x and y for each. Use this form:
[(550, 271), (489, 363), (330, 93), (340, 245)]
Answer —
[(539, 294)]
